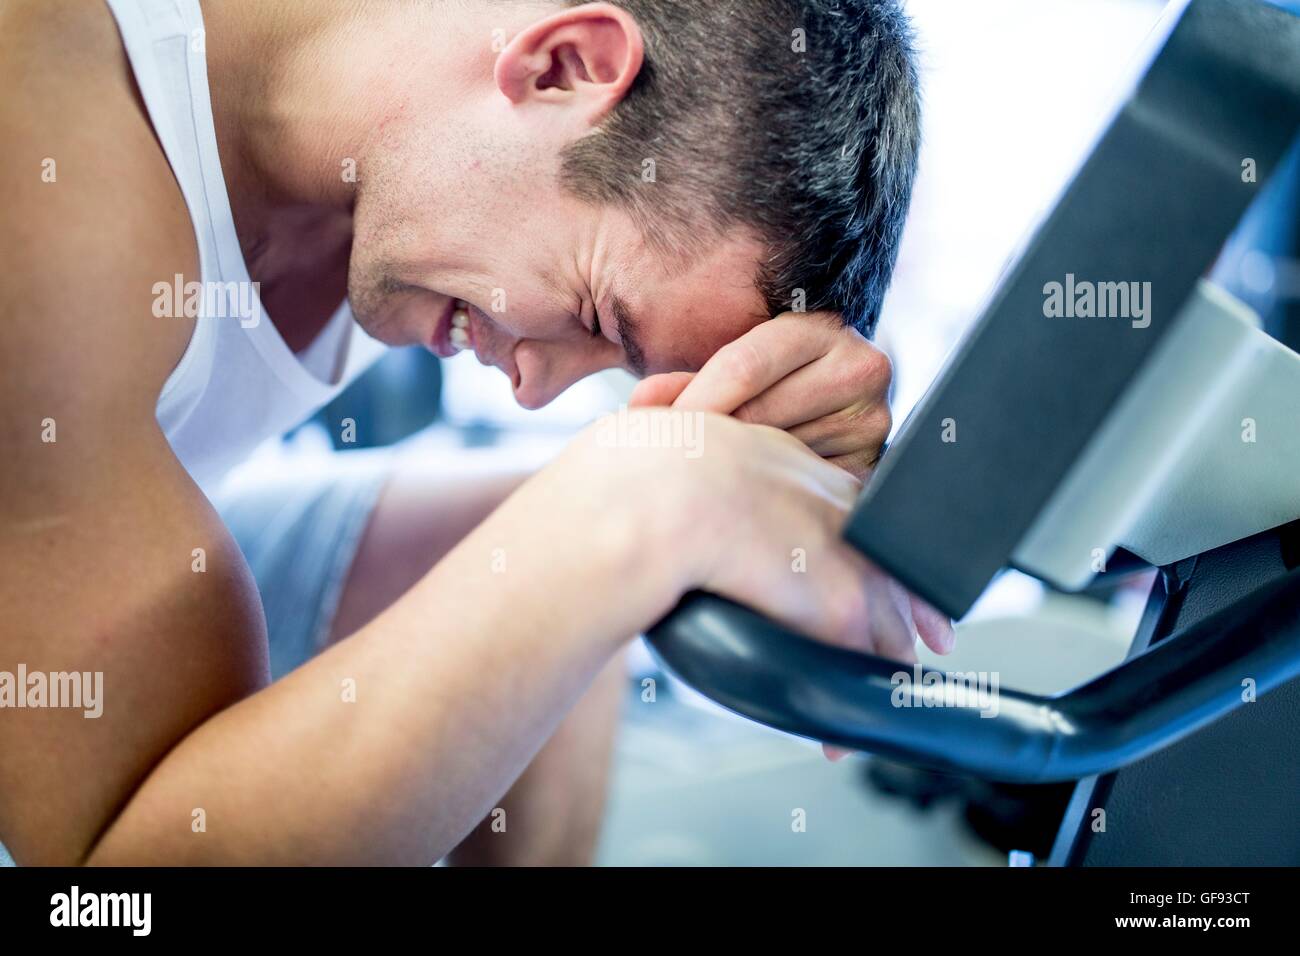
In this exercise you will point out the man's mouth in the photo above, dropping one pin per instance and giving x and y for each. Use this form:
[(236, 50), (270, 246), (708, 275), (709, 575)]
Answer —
[(459, 329), (453, 332), (460, 332)]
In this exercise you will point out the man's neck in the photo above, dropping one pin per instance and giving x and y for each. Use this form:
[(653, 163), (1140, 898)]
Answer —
[(282, 132), (306, 97)]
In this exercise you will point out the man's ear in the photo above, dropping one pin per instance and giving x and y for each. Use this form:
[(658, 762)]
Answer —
[(586, 56)]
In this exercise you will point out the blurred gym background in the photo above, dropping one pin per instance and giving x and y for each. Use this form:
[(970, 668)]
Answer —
[(1015, 91)]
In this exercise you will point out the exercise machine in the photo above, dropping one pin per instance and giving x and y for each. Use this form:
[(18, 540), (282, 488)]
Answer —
[(1110, 408)]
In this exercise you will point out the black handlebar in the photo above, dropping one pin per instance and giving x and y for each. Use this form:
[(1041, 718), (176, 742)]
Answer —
[(762, 671), (1224, 84)]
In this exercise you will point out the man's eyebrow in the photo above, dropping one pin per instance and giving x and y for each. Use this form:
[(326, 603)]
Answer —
[(627, 334)]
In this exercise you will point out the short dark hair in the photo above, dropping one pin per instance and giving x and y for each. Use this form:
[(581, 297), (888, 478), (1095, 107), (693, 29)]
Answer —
[(796, 119)]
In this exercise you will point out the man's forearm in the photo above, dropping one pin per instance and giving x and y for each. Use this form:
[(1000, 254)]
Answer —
[(553, 814), (393, 744)]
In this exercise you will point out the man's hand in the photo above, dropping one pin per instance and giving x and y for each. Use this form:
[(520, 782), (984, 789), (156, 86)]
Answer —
[(805, 373), (825, 384)]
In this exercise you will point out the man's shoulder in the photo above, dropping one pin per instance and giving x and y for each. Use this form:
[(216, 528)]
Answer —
[(94, 216)]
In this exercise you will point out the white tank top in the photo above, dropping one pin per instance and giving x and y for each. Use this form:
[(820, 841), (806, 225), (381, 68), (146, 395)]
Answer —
[(238, 383)]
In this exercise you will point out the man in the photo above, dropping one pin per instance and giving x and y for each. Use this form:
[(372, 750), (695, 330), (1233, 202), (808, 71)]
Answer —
[(560, 188)]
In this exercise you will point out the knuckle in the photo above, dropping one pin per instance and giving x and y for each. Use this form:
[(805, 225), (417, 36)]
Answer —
[(861, 420), (872, 419), (743, 363), (877, 421), (875, 370)]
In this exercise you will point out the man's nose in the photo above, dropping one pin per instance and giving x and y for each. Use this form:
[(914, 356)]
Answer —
[(545, 370)]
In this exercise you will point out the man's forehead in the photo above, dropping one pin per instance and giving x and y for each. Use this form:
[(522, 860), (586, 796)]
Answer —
[(667, 336), (681, 316)]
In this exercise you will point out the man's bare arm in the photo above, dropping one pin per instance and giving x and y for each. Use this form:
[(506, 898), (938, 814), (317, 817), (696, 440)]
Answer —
[(391, 745), (100, 528), (96, 517)]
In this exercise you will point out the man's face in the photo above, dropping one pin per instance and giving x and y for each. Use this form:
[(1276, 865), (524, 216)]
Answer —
[(537, 270), (459, 198)]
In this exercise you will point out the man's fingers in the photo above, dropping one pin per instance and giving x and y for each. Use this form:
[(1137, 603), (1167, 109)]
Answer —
[(826, 389), (891, 632), (659, 390), (804, 374), (859, 607), (747, 367), (934, 627), (859, 464), (894, 631), (846, 432)]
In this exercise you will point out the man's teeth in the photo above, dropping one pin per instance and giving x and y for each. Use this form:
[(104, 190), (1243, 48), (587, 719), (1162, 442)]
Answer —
[(460, 329)]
